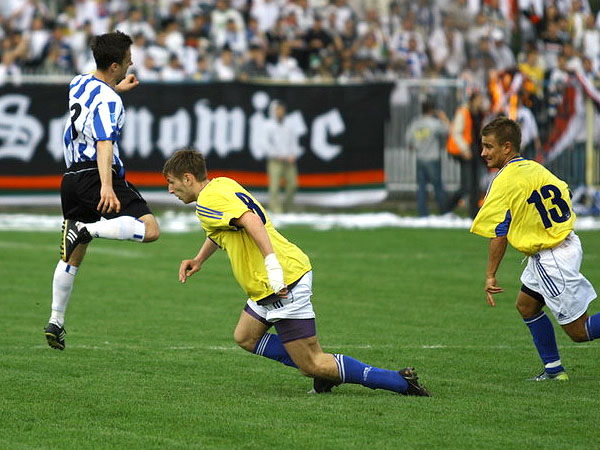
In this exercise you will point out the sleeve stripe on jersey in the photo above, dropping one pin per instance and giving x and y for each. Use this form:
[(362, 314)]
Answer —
[(81, 90), (103, 126), (74, 85), (208, 215), (502, 228), (213, 213), (99, 128), (93, 94), (208, 210)]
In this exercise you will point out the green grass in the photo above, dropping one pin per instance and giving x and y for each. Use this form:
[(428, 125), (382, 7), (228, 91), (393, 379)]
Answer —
[(151, 363)]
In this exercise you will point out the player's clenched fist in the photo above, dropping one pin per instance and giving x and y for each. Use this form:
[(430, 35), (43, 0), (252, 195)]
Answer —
[(127, 84)]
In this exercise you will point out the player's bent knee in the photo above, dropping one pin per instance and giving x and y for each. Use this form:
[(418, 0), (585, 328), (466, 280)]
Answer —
[(152, 229), (527, 310), (151, 235), (578, 336), (244, 341)]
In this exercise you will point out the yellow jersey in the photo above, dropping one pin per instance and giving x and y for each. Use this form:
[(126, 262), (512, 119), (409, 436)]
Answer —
[(223, 200), (529, 205)]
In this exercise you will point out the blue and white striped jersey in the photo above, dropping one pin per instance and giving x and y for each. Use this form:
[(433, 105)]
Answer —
[(96, 114)]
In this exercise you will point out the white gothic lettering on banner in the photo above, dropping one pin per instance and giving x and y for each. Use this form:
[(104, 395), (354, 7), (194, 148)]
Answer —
[(330, 123), (137, 132), (259, 120), (20, 133), (220, 129), (174, 132)]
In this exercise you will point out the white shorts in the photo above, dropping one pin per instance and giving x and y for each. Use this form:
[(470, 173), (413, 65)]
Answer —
[(297, 305), (554, 274)]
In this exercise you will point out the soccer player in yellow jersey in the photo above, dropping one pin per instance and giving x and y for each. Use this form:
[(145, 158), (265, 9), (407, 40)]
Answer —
[(529, 207), (276, 276)]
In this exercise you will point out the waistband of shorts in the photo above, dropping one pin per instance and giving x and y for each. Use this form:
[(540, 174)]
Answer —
[(567, 237), (271, 298), (86, 165)]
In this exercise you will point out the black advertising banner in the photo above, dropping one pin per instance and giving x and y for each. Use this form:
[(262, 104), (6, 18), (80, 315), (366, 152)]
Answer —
[(340, 130)]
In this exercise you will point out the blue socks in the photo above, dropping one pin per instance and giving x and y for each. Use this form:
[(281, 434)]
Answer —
[(592, 327), (270, 346), (543, 337), (350, 369), (356, 372)]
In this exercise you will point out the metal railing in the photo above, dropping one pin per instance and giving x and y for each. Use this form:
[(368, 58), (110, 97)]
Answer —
[(405, 104)]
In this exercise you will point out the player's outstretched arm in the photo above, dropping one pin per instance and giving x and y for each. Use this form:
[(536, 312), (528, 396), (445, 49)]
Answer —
[(189, 267), (127, 84), (257, 231), (496, 253)]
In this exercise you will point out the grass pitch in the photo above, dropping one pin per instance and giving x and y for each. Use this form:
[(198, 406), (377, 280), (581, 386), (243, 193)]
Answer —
[(151, 363)]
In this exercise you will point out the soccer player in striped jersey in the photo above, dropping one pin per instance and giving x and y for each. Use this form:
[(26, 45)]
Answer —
[(94, 185), (276, 276), (530, 208)]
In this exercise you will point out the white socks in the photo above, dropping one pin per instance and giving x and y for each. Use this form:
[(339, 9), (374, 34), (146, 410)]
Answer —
[(62, 285), (121, 228)]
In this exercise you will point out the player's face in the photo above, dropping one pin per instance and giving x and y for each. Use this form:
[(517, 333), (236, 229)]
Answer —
[(122, 68), (180, 188), (495, 154)]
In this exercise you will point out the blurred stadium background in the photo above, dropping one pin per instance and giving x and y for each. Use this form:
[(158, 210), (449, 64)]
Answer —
[(354, 73)]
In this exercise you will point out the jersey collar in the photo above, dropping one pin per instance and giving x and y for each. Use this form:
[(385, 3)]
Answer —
[(102, 81), (515, 159)]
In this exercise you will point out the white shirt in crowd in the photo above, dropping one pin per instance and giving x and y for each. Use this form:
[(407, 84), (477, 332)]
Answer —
[(266, 13), (287, 68), (529, 128), (281, 140)]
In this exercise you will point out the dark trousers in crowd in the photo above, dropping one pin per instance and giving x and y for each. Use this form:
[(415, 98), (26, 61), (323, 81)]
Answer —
[(430, 172), (578, 165), (469, 185)]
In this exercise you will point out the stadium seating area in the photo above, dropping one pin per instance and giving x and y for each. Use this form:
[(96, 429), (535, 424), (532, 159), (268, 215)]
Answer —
[(300, 40), (532, 58)]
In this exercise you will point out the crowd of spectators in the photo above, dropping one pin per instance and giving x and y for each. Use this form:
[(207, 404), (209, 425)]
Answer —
[(305, 40)]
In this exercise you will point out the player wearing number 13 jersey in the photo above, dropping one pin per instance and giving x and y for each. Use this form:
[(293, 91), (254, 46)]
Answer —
[(530, 208), (276, 276)]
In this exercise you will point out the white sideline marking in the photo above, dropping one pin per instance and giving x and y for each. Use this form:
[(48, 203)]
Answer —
[(111, 346), (183, 221), (91, 249)]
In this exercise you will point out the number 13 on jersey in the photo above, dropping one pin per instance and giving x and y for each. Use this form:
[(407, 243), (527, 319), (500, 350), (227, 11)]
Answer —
[(559, 213)]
